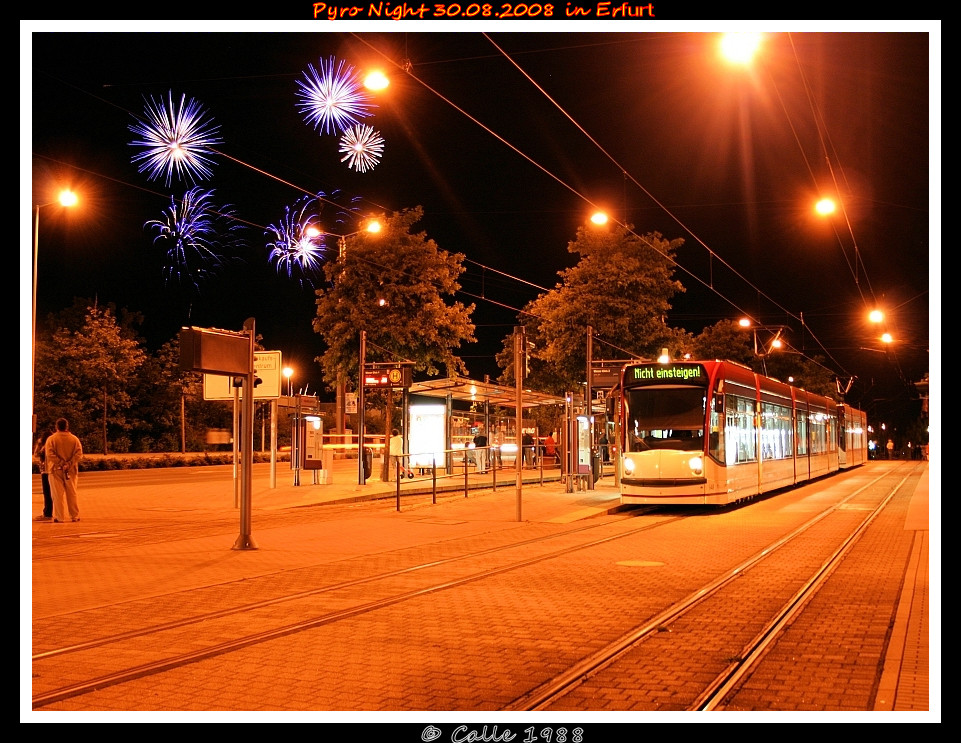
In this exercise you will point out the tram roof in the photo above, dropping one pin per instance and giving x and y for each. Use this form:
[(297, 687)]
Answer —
[(470, 390)]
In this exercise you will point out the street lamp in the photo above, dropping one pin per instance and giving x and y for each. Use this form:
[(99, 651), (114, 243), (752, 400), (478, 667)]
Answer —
[(288, 372), (775, 343), (373, 226), (66, 198)]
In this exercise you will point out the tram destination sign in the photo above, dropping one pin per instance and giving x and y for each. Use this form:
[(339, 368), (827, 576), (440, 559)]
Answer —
[(642, 374)]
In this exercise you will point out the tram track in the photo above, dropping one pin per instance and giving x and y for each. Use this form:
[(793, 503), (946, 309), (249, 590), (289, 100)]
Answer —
[(76, 675), (585, 682), (178, 659)]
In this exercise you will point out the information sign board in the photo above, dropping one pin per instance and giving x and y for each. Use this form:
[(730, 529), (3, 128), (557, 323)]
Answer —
[(267, 368)]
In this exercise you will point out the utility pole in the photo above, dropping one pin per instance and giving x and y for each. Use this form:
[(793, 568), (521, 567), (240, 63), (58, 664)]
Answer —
[(244, 540), (520, 349), (362, 362)]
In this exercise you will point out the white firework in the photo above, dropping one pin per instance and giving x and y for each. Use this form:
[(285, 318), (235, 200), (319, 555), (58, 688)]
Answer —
[(333, 97), (175, 140), (362, 147)]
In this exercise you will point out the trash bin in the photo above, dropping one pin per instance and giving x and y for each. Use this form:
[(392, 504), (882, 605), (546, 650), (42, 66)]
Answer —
[(368, 462), (596, 465)]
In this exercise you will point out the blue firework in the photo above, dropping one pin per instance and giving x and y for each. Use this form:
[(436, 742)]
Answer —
[(297, 243), (362, 147), (197, 236), (175, 140), (332, 98), (339, 210)]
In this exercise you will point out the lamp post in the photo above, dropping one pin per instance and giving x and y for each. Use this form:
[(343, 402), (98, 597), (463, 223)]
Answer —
[(288, 372), (373, 226), (66, 198)]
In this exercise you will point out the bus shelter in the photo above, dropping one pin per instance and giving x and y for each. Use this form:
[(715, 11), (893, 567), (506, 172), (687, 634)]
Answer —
[(443, 416)]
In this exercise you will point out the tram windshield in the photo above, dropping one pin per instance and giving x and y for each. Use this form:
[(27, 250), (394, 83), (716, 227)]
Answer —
[(665, 418)]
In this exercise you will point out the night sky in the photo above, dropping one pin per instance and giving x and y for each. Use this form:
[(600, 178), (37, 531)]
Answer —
[(509, 141)]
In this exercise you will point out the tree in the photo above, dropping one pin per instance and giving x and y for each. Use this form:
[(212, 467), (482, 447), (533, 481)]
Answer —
[(393, 285), (83, 374), (727, 341), (621, 288)]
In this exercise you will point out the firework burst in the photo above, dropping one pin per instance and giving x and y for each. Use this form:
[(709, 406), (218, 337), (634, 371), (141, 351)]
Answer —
[(297, 244), (332, 98), (176, 139), (196, 235), (362, 147), (339, 210)]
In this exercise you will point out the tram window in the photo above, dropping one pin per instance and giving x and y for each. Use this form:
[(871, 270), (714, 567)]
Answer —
[(776, 430), (739, 432), (665, 418)]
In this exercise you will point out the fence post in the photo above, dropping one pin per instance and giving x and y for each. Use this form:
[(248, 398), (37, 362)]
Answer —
[(397, 477)]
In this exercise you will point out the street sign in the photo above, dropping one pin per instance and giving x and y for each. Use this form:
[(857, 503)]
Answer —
[(214, 351), (387, 377), (267, 368), (605, 376)]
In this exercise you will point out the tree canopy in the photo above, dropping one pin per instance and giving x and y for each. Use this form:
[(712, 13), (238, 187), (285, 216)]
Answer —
[(621, 288), (86, 372), (397, 286)]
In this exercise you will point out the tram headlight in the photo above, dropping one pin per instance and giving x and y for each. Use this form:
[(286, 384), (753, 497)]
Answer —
[(628, 466), (696, 464)]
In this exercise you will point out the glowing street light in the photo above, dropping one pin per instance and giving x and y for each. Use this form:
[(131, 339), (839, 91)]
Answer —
[(288, 372), (373, 226), (825, 206), (740, 48), (66, 198), (774, 345), (376, 80)]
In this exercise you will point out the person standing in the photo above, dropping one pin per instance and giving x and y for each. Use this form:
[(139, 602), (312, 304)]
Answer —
[(63, 453), (396, 452), (41, 455), (527, 441), (480, 450)]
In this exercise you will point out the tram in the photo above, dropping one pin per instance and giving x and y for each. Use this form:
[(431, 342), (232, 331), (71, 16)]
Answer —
[(716, 432)]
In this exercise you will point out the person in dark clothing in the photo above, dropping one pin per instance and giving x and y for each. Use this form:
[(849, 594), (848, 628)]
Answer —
[(480, 450), (41, 456), (527, 442)]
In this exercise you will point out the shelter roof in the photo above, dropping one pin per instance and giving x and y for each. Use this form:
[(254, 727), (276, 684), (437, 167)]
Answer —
[(469, 390)]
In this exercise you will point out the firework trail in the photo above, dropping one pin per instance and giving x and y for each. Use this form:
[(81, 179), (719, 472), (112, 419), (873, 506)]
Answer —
[(196, 235)]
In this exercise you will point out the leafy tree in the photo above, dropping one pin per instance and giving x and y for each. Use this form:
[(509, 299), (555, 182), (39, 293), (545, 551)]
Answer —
[(84, 374), (727, 341), (394, 285), (169, 412), (621, 288)]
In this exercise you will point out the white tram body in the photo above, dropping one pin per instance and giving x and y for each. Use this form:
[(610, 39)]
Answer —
[(715, 432)]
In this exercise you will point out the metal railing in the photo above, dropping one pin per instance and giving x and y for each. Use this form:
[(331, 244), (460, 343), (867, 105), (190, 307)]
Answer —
[(478, 467)]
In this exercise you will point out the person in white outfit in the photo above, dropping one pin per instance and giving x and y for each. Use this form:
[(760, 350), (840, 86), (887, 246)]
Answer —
[(63, 453)]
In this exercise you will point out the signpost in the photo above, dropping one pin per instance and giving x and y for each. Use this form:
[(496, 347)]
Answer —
[(230, 354), (267, 368)]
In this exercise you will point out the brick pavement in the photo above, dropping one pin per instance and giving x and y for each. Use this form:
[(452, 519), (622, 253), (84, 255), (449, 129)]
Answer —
[(906, 681)]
